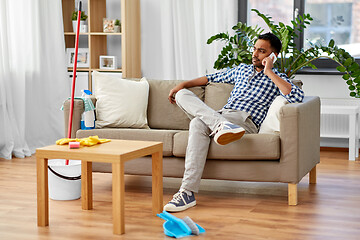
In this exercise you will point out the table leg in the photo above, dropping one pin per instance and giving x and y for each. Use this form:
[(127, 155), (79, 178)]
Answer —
[(352, 134), (86, 185), (118, 192), (157, 182), (42, 192)]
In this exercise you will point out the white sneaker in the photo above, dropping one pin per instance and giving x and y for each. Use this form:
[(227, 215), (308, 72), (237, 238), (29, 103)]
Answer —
[(227, 132)]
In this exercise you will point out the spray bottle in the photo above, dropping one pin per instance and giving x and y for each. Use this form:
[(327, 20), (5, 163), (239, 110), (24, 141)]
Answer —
[(88, 116)]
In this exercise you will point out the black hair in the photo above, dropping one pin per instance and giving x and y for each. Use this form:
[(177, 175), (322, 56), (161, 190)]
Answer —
[(274, 41)]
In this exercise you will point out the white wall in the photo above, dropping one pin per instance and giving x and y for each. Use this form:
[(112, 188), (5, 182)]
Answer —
[(324, 86), (151, 60), (330, 88), (150, 35)]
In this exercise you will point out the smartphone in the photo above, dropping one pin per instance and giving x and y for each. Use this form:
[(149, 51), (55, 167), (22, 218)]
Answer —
[(272, 55)]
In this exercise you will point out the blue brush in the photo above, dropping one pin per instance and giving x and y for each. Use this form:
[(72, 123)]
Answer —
[(176, 227)]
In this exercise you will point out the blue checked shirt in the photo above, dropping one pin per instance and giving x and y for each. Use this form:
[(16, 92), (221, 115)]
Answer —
[(253, 91)]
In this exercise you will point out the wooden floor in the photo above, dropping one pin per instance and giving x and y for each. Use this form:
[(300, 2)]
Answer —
[(328, 210)]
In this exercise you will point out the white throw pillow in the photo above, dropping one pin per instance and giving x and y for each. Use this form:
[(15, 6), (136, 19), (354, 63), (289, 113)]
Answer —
[(271, 123), (120, 102)]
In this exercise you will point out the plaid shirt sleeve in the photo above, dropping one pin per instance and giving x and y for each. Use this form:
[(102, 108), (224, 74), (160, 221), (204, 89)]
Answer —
[(296, 94), (227, 76)]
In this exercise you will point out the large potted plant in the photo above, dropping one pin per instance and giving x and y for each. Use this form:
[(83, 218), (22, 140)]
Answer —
[(239, 46)]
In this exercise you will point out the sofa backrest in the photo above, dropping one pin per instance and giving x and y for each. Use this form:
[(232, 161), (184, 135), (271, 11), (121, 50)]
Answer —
[(161, 113), (217, 94)]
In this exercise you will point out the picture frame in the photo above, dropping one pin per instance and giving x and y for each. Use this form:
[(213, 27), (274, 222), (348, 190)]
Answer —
[(108, 25), (82, 59), (108, 62)]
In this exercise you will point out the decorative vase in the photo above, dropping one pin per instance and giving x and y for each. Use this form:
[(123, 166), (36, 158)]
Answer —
[(117, 28), (74, 23)]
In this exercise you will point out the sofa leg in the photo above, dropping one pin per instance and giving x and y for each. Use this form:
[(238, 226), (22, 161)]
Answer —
[(312, 176), (292, 194)]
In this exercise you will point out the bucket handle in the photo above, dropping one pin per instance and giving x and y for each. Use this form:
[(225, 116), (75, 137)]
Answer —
[(62, 176)]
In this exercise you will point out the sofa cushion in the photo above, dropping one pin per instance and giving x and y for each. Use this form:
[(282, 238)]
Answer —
[(165, 136), (217, 94), (161, 113), (271, 123), (120, 102), (250, 147)]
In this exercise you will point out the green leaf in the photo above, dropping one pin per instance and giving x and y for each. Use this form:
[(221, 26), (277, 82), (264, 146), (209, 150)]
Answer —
[(348, 62), (352, 94), (341, 69), (331, 43), (349, 82), (219, 36), (355, 74), (351, 88), (346, 76), (354, 66)]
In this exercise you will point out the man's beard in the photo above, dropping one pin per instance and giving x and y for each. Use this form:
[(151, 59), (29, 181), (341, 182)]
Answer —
[(257, 63)]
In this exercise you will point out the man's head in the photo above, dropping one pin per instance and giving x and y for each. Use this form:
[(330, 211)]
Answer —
[(264, 46)]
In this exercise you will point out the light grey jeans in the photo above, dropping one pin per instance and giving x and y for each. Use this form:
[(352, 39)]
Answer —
[(203, 121)]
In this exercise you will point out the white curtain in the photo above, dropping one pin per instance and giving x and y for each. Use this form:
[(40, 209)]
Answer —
[(174, 36), (33, 75)]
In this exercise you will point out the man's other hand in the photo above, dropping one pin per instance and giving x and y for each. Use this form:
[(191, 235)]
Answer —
[(172, 93)]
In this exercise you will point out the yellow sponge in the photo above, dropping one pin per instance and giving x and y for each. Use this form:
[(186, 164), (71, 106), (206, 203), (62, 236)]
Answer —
[(89, 141)]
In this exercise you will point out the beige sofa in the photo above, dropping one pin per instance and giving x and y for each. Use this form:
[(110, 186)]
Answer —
[(284, 157)]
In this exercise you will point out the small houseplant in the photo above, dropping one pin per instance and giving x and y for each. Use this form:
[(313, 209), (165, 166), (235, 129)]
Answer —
[(117, 27), (238, 50), (83, 18)]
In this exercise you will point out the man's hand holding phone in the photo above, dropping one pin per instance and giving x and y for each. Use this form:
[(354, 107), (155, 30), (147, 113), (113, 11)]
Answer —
[(268, 63), (273, 57)]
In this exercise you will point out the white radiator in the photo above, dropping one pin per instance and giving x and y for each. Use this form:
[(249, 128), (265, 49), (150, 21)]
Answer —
[(336, 126)]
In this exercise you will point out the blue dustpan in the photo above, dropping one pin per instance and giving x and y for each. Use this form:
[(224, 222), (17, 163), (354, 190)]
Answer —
[(176, 227)]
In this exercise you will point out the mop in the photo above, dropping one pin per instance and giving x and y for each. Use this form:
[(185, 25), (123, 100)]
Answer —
[(74, 76), (62, 187)]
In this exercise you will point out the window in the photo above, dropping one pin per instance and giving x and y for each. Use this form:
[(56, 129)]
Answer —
[(279, 10), (333, 19)]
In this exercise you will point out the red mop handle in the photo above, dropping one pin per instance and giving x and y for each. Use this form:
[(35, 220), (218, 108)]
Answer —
[(74, 75)]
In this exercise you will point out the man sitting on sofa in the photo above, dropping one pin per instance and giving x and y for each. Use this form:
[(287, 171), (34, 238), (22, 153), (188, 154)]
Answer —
[(255, 87)]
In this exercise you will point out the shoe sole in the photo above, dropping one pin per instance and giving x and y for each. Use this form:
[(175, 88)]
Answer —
[(173, 208), (229, 137)]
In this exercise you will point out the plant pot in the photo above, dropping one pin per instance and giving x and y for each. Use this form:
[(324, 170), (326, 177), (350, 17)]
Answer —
[(74, 23), (117, 28)]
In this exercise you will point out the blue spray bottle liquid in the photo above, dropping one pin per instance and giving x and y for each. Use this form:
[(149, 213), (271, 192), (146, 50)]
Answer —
[(88, 116)]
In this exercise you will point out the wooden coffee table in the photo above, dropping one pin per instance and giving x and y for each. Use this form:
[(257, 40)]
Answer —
[(116, 152)]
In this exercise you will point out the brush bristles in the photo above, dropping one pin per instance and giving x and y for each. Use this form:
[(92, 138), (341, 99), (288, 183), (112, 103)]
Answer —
[(192, 225)]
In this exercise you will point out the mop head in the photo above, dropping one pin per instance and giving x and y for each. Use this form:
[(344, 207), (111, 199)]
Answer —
[(176, 227)]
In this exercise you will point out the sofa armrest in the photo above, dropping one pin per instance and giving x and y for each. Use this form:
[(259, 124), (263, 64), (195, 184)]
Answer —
[(300, 138), (78, 110)]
